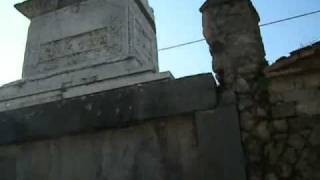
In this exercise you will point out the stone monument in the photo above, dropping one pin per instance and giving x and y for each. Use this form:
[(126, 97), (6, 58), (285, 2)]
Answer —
[(78, 47), (92, 105)]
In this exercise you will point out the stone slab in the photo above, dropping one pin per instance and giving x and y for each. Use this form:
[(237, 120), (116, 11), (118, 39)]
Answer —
[(197, 145), (220, 143), (34, 8), (80, 34), (7, 167), (108, 109), (71, 78), (67, 79), (156, 150), (30, 93)]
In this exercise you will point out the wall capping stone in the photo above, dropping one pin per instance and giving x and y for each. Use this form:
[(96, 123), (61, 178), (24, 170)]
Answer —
[(34, 8), (109, 109)]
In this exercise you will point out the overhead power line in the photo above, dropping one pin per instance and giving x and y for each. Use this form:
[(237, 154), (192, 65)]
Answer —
[(290, 18), (261, 25), (182, 44)]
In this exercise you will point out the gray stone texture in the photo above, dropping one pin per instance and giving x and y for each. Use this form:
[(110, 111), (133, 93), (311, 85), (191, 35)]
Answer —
[(77, 47), (22, 93), (7, 166), (108, 109), (238, 59), (221, 126), (164, 130), (34, 8), (279, 109), (236, 46), (64, 36), (141, 152), (165, 149), (92, 104), (294, 98)]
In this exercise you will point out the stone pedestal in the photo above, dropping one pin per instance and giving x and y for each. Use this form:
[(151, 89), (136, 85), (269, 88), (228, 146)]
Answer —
[(78, 47), (74, 35)]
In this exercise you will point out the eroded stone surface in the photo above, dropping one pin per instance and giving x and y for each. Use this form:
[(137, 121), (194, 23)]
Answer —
[(86, 33), (78, 47), (279, 110), (196, 145), (147, 151), (107, 109), (30, 93)]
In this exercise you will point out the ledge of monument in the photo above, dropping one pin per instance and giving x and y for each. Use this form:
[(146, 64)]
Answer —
[(26, 93), (116, 108), (34, 8)]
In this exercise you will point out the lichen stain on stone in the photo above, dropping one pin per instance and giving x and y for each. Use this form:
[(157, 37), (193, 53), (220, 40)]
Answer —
[(117, 111), (89, 106), (83, 98), (99, 113), (76, 8)]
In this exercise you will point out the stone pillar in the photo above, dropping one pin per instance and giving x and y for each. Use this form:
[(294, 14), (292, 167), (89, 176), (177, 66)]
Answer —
[(231, 29)]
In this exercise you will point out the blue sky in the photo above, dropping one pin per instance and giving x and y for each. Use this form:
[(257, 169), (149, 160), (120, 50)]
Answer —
[(178, 21)]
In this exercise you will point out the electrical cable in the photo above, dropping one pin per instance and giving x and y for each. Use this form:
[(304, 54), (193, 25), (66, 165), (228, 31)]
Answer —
[(261, 25)]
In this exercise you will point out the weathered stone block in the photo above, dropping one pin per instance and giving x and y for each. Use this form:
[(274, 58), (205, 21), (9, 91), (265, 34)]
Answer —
[(68, 35), (310, 108), (222, 127), (271, 176), (162, 149), (78, 47), (273, 151), (290, 155), (7, 168), (295, 95), (288, 83), (301, 123), (280, 126), (315, 136), (247, 121), (262, 131), (296, 141), (284, 110), (29, 93), (108, 109)]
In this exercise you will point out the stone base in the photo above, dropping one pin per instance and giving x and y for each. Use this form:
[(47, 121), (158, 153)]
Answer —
[(26, 93), (170, 130)]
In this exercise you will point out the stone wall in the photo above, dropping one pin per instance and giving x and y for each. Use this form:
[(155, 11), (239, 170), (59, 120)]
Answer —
[(279, 110), (164, 149), (173, 129), (92, 104), (181, 147), (293, 151), (161, 130)]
